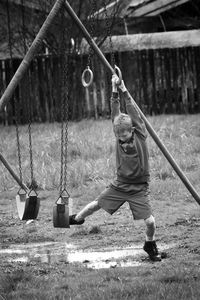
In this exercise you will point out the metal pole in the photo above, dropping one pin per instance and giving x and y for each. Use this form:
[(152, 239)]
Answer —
[(14, 175), (151, 131), (30, 54)]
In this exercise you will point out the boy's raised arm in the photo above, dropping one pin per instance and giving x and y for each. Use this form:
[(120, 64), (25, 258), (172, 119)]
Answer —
[(132, 111), (114, 101)]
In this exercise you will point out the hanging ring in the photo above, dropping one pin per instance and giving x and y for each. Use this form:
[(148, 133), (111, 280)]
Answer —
[(118, 73), (90, 73)]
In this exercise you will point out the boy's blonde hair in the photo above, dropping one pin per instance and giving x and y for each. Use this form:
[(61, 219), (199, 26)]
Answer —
[(122, 122)]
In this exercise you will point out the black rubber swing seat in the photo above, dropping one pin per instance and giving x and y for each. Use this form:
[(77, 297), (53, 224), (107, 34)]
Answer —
[(27, 205), (61, 213)]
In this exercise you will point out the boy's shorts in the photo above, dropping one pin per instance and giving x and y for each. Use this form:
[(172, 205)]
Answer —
[(137, 196)]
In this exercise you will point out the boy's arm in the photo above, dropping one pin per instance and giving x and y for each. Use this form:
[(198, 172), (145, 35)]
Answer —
[(133, 112), (115, 105), (114, 101)]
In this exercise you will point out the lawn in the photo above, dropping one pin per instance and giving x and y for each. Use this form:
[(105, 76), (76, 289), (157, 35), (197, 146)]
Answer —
[(90, 168)]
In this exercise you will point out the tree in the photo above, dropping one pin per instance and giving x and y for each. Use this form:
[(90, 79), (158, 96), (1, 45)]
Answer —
[(20, 21)]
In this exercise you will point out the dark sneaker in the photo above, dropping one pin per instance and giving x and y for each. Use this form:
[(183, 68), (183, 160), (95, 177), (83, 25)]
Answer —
[(72, 220), (151, 248)]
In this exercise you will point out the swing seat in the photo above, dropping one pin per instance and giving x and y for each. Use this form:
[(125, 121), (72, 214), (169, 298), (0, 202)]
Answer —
[(27, 205), (61, 213)]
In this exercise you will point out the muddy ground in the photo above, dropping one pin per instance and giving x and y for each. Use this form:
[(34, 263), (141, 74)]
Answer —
[(178, 226), (26, 268)]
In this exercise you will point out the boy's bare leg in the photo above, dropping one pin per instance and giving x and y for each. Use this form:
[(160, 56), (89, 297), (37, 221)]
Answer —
[(87, 210), (150, 244), (150, 228)]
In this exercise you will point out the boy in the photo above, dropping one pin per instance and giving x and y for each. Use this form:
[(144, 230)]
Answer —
[(132, 181)]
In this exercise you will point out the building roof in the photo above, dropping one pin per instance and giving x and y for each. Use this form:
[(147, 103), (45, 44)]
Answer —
[(142, 41), (124, 8), (138, 8)]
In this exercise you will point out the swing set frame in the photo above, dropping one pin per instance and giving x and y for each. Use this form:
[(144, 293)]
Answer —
[(34, 48)]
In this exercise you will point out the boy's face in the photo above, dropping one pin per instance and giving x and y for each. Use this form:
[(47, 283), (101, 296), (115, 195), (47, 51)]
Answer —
[(124, 136)]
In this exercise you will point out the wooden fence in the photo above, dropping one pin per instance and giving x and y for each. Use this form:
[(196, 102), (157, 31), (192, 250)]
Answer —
[(161, 81)]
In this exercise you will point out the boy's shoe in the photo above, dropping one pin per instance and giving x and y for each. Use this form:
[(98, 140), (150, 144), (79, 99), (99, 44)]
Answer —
[(72, 220), (151, 248)]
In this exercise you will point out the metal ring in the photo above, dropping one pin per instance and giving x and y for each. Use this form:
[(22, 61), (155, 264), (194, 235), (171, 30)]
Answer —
[(84, 83), (119, 74)]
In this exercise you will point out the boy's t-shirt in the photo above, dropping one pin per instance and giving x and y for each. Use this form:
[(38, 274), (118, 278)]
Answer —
[(128, 147), (132, 157)]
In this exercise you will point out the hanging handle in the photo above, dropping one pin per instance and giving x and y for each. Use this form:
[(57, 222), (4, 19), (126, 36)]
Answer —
[(119, 74), (22, 191), (63, 198), (89, 72), (32, 192)]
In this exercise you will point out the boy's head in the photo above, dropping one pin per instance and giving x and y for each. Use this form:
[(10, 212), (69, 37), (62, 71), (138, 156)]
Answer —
[(123, 127)]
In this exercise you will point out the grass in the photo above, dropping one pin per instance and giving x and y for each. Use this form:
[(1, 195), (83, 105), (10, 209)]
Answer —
[(79, 283), (91, 156), (91, 166)]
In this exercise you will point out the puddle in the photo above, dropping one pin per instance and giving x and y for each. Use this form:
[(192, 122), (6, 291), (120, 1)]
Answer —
[(64, 252)]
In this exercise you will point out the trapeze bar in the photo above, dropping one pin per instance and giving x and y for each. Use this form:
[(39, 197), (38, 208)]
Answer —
[(151, 131)]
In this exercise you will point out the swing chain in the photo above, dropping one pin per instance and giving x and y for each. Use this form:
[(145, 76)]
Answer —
[(15, 99), (32, 185), (23, 26), (30, 108), (64, 115), (109, 33), (92, 26), (108, 27), (87, 70)]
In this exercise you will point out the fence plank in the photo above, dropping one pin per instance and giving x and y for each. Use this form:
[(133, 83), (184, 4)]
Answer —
[(161, 81), (197, 68)]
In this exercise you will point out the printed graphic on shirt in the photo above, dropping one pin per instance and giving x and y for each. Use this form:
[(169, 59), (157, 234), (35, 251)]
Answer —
[(128, 147)]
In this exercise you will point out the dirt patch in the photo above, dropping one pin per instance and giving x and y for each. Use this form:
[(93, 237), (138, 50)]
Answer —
[(176, 224), (34, 254)]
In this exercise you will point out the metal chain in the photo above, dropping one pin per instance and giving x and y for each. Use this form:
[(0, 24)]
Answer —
[(15, 99), (30, 112), (108, 26), (23, 26), (32, 186), (64, 114), (66, 128), (62, 126), (92, 25)]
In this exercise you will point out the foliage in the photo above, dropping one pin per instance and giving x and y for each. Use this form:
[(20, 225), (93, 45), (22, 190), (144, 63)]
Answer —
[(20, 24)]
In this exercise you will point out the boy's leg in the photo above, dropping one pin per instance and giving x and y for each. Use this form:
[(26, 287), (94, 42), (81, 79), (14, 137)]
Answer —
[(89, 209), (150, 244), (109, 200), (150, 228)]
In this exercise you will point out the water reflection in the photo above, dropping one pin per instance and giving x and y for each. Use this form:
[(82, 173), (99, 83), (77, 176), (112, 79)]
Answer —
[(58, 252), (41, 252)]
